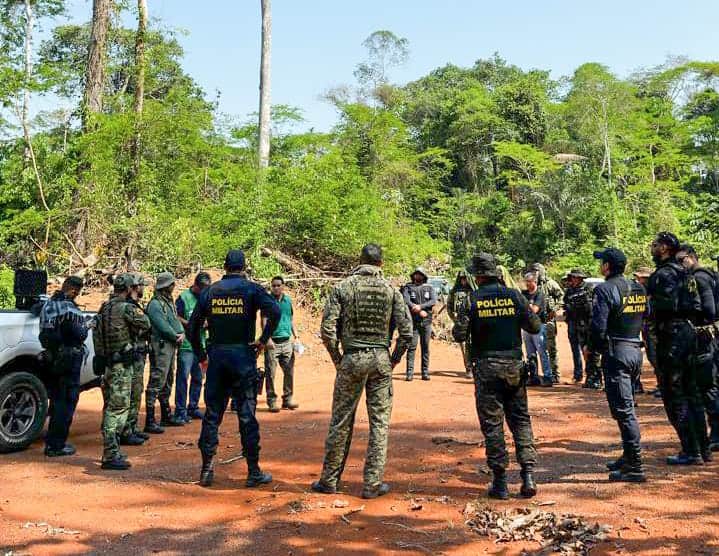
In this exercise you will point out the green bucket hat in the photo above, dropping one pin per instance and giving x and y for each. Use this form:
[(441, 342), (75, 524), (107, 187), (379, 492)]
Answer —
[(164, 279)]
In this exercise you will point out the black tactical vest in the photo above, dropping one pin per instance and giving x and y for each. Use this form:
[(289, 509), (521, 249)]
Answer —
[(714, 281), (419, 294), (494, 319), (680, 303), (626, 320)]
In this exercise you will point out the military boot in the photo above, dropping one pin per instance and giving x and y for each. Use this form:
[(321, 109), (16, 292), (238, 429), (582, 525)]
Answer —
[(529, 487), (167, 419), (375, 491), (617, 464), (141, 434), (498, 489), (323, 488), (632, 470), (151, 425), (685, 459), (714, 434), (131, 440), (207, 474), (255, 476), (116, 463)]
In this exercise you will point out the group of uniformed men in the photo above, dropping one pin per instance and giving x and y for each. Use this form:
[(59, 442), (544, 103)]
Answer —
[(360, 316)]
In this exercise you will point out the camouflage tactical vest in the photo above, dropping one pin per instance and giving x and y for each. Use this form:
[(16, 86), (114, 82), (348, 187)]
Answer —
[(369, 309), (115, 330)]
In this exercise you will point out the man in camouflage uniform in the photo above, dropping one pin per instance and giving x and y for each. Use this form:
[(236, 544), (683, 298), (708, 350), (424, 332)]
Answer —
[(498, 315), (117, 323), (358, 316), (132, 435), (167, 335), (553, 293), (458, 311)]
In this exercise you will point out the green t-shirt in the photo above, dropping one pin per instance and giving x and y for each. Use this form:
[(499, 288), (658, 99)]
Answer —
[(284, 328)]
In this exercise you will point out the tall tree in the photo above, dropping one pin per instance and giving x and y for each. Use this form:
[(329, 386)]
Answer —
[(265, 106), (140, 64), (95, 74), (385, 50)]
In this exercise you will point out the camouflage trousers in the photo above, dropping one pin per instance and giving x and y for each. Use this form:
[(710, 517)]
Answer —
[(501, 393), (551, 335), (162, 373), (117, 384), (138, 377), (368, 370)]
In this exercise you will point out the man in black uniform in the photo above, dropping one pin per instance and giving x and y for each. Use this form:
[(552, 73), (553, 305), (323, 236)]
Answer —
[(705, 323), (618, 311), (63, 331), (497, 316), (420, 298), (230, 307), (673, 302), (577, 313)]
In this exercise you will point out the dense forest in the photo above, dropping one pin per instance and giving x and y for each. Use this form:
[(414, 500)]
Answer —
[(144, 170)]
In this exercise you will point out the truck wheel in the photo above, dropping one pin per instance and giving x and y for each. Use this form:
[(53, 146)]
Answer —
[(23, 408)]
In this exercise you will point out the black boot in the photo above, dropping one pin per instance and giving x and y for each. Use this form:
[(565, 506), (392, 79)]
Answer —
[(167, 419), (255, 476), (376, 491), (207, 474), (131, 440), (714, 433), (529, 487), (617, 464), (632, 470), (498, 489), (151, 425)]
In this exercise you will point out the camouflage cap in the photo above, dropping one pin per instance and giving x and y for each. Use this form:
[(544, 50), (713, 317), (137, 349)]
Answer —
[(483, 264), (578, 272), (164, 280), (122, 281), (643, 272)]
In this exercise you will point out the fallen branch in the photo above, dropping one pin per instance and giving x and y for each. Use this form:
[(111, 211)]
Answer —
[(405, 527), (232, 460)]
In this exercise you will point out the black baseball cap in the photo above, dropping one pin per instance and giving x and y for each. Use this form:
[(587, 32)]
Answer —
[(611, 255), (235, 259)]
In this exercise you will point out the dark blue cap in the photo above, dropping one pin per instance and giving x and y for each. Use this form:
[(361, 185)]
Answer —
[(611, 255), (235, 259)]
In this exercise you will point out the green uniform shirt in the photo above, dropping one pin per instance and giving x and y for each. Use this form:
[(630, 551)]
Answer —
[(284, 328)]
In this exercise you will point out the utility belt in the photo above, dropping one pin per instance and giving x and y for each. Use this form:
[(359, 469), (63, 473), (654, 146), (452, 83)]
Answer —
[(673, 324), (365, 349), (501, 354), (139, 353), (125, 356), (612, 342)]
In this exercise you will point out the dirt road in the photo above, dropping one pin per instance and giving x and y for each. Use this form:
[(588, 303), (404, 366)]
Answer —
[(70, 506)]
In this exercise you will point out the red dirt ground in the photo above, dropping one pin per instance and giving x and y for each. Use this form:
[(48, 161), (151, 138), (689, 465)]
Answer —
[(155, 507)]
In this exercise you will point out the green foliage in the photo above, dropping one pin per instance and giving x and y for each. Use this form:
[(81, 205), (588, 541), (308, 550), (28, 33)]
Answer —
[(7, 299), (490, 157)]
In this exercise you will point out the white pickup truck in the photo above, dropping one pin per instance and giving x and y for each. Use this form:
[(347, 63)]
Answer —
[(24, 380)]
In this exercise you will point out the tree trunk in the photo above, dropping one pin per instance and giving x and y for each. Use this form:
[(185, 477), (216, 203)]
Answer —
[(139, 89), (264, 127), (95, 75), (25, 114)]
